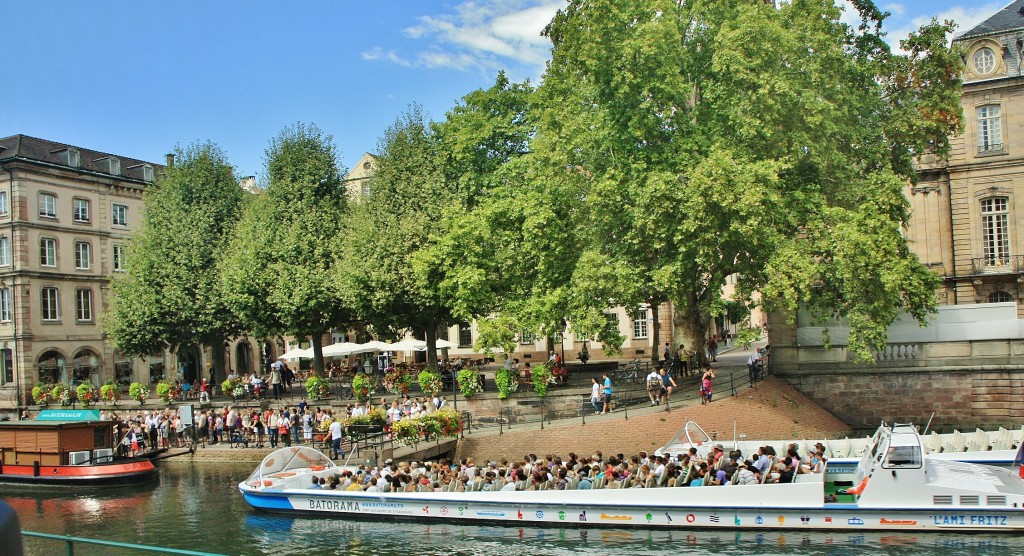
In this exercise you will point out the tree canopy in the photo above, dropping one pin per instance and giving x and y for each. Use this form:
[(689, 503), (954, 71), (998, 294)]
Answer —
[(170, 294), (678, 143), (278, 268)]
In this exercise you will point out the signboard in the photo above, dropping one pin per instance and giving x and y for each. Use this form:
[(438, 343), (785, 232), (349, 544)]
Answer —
[(68, 415)]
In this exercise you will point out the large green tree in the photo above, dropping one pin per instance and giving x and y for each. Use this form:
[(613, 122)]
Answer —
[(277, 269), (702, 139), (170, 294), (407, 198)]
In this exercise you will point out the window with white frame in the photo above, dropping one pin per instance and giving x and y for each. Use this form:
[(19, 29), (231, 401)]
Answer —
[(83, 255), (80, 210), (119, 258), (147, 173), (47, 251), (640, 323), (5, 304), (83, 305), (527, 337), (5, 251), (990, 129), (119, 215), (995, 233), (47, 205), (3, 203), (49, 302)]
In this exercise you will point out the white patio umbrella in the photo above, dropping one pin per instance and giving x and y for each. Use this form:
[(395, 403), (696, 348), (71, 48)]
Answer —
[(297, 353), (409, 344), (377, 345), (341, 349)]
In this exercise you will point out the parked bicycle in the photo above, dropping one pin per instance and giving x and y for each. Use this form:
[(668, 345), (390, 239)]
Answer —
[(630, 372)]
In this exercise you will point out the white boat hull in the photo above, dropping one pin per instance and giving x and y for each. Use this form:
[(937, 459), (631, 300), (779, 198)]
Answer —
[(631, 508)]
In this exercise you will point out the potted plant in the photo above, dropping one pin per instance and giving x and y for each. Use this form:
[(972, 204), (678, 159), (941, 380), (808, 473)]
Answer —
[(362, 387), (41, 394), (507, 382), (138, 392), (407, 431), (318, 388), (469, 382), (110, 392), (541, 377), (163, 391), (397, 380), (430, 382), (86, 393), (61, 393), (233, 387)]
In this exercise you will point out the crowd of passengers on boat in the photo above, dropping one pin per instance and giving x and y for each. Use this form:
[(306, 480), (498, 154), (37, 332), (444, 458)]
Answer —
[(575, 473)]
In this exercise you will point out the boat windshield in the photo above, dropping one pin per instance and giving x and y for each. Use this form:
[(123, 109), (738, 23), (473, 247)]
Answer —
[(295, 457)]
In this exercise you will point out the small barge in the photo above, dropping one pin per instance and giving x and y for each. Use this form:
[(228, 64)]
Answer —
[(67, 447)]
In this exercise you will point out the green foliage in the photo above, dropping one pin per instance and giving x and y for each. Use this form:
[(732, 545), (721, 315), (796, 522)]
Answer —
[(430, 382), (445, 422), (110, 392), (469, 382), (717, 138), (363, 386), (507, 381), (276, 272), (232, 387), (40, 394), (397, 380), (170, 294), (86, 394), (381, 275), (164, 392), (138, 392), (318, 388), (61, 393), (541, 377)]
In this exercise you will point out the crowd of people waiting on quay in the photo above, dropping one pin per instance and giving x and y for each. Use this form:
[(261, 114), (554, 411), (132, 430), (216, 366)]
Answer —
[(575, 473)]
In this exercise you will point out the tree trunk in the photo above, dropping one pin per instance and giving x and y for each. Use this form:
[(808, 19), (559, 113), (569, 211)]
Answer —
[(431, 336), (691, 330), (318, 353), (655, 335)]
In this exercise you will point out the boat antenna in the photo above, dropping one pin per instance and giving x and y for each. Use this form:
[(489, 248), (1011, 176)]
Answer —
[(929, 424)]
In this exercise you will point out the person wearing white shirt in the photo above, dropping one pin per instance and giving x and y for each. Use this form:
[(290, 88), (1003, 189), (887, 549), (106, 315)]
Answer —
[(654, 386)]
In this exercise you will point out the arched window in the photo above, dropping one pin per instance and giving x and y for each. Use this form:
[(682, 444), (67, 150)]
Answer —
[(85, 367), (52, 367), (123, 369), (243, 358), (157, 365), (999, 297)]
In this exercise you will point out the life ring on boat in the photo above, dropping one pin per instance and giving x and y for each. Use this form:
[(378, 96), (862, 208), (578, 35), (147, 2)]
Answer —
[(859, 488), (690, 518)]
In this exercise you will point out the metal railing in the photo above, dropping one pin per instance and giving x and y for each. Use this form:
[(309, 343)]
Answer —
[(70, 542), (1009, 264)]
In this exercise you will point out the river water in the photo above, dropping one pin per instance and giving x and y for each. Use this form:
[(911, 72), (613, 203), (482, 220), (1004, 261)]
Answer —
[(198, 507)]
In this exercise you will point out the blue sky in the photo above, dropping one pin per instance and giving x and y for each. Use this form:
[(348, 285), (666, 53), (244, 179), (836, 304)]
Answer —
[(137, 78)]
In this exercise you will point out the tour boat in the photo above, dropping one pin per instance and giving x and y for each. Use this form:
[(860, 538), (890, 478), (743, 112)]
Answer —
[(998, 448), (893, 487), (66, 447)]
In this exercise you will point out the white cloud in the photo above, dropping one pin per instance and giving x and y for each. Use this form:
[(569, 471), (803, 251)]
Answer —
[(484, 34), (378, 53), (964, 17)]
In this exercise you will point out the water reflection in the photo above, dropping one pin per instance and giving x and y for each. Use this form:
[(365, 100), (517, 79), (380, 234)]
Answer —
[(198, 507)]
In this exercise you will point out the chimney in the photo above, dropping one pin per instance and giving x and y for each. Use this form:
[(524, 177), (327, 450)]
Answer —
[(170, 160)]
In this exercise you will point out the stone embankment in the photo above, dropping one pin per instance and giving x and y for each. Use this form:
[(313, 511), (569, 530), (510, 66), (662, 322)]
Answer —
[(773, 410)]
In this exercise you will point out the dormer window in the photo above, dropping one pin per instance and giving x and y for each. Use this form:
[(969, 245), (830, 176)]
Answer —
[(984, 61), (109, 165), (146, 170), (69, 157)]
